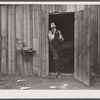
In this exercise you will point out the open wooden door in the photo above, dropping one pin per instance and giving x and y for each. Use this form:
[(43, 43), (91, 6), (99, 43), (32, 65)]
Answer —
[(82, 46)]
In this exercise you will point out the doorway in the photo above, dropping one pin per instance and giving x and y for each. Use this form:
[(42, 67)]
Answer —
[(64, 23)]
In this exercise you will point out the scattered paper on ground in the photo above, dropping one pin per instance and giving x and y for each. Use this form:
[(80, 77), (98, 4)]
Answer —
[(63, 85), (20, 80), (53, 87), (25, 88)]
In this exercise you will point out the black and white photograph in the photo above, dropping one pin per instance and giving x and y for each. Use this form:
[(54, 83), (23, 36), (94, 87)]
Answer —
[(49, 46)]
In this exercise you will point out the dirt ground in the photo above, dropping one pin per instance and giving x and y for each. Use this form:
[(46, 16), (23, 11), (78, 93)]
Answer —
[(30, 83)]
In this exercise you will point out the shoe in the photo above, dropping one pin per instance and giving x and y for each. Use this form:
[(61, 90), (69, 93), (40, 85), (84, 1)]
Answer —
[(59, 76)]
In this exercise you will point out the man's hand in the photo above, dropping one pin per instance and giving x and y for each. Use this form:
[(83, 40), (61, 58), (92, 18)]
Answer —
[(51, 36), (60, 36)]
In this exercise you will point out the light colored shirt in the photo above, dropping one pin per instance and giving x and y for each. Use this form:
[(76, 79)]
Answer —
[(52, 36)]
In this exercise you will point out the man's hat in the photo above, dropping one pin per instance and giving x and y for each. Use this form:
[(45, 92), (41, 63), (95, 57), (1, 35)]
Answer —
[(53, 25)]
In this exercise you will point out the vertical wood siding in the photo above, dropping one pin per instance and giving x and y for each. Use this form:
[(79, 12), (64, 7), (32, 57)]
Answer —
[(0, 43), (19, 37), (99, 39), (27, 67), (28, 25), (37, 66), (94, 38), (11, 39), (4, 38), (44, 43)]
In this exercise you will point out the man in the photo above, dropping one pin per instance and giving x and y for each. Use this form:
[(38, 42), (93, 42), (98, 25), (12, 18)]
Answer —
[(55, 41)]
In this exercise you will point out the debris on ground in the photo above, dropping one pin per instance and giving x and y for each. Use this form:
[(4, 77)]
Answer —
[(25, 88), (53, 87), (63, 85), (32, 82), (20, 80)]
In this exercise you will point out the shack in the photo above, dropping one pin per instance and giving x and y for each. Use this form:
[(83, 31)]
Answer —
[(24, 46)]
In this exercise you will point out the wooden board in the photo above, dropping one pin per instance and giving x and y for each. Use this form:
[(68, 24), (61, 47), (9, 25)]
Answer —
[(27, 37), (94, 39), (0, 42), (82, 46), (37, 42), (19, 37), (99, 39), (4, 40), (31, 37), (11, 39), (45, 67)]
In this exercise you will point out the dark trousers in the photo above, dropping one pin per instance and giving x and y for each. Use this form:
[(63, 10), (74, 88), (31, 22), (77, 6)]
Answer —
[(58, 60)]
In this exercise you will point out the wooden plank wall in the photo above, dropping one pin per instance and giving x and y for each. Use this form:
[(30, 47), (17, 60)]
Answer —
[(20, 26), (27, 25), (94, 38)]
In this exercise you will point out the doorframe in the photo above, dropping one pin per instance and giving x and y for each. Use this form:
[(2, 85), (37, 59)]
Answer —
[(53, 13)]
